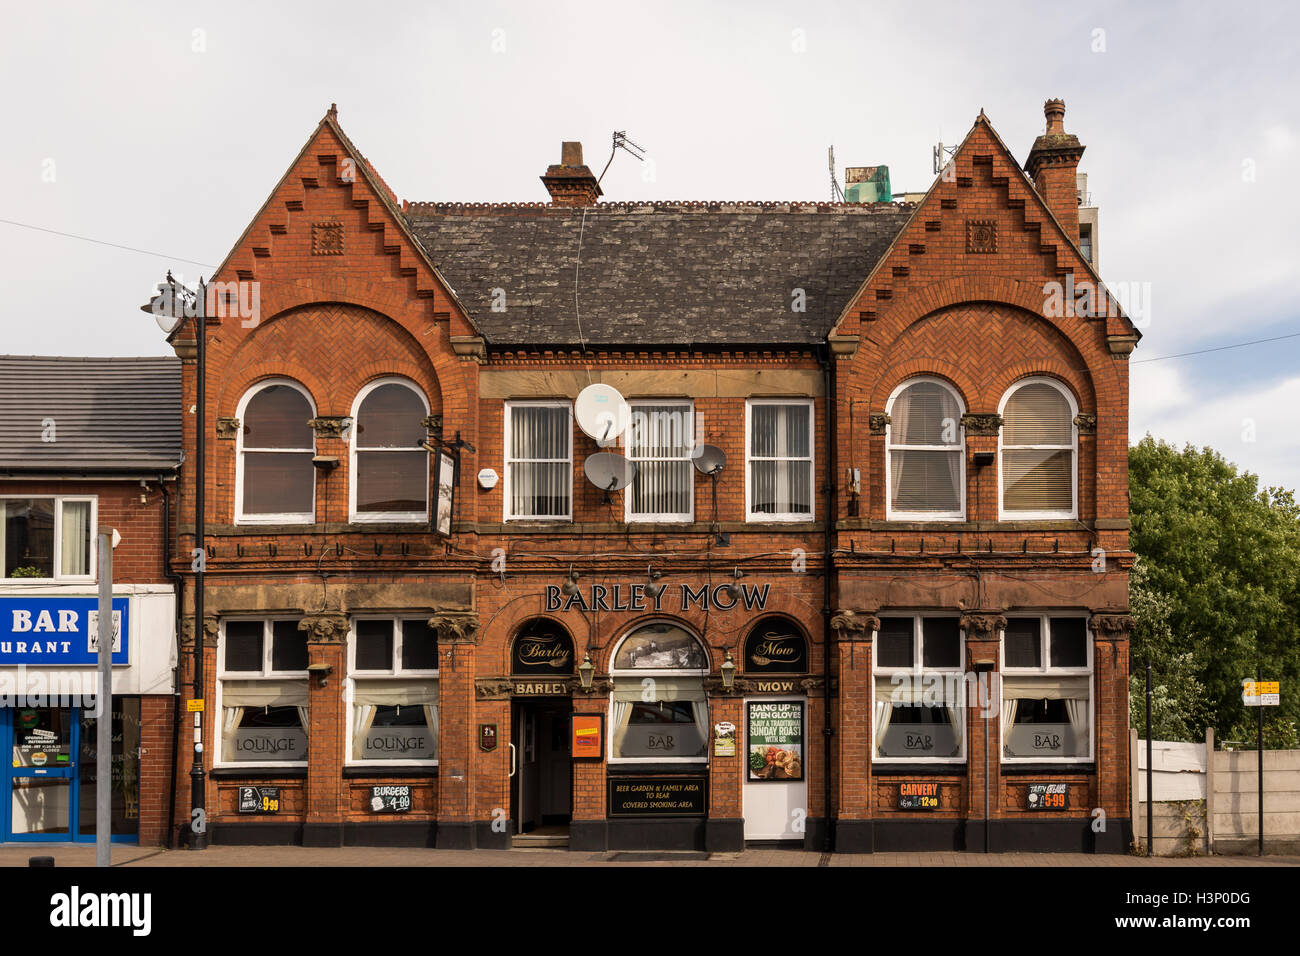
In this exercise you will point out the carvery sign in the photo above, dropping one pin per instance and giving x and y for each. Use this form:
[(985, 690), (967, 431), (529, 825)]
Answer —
[(58, 631)]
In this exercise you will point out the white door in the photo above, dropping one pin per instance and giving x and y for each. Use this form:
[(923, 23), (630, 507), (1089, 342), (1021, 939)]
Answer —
[(775, 797)]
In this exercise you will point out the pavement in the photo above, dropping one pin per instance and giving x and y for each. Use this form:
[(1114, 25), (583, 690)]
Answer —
[(83, 855)]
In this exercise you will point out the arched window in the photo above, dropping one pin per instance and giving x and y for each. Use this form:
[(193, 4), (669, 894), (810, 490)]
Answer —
[(1039, 448), (659, 711), (390, 471), (275, 480), (925, 468)]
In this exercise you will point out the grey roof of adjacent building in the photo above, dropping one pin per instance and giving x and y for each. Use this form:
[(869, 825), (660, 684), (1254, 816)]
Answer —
[(644, 274), (103, 414)]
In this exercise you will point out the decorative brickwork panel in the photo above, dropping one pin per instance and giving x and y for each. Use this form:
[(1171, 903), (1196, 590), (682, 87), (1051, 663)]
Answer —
[(981, 235), (327, 239)]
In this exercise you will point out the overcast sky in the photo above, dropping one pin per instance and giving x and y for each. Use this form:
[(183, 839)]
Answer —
[(163, 127)]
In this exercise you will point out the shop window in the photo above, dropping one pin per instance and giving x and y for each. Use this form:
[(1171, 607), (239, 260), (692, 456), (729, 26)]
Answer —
[(1038, 451), (262, 684), (539, 461), (779, 460), (660, 439), (918, 713), (659, 711), (924, 452), (276, 482), (390, 468), (48, 539), (1046, 689), (392, 691)]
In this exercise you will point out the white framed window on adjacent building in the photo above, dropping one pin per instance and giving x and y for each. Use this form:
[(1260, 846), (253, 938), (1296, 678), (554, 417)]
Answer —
[(1038, 451), (925, 461), (660, 439), (1046, 677), (390, 467), (262, 693), (919, 711), (779, 483), (659, 711), (48, 538), (392, 692), (538, 484), (275, 482)]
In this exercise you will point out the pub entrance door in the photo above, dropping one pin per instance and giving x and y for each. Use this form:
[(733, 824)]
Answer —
[(541, 784)]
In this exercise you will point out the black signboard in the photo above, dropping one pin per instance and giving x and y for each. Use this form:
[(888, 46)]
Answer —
[(1048, 796), (775, 646), (259, 799), (542, 649), (657, 796), (919, 796), (390, 799)]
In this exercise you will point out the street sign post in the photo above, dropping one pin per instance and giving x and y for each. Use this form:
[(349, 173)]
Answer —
[(1261, 694)]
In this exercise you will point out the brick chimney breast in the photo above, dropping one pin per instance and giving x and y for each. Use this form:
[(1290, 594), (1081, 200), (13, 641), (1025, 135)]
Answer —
[(1052, 165), (571, 183)]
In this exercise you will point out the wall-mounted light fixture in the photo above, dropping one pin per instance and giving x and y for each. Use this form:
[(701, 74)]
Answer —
[(321, 672), (586, 671), (653, 588), (732, 588), (728, 673), (570, 585)]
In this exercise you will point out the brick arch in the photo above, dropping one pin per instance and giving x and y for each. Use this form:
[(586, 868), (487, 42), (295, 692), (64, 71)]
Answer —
[(502, 626), (234, 389), (515, 628), (895, 376)]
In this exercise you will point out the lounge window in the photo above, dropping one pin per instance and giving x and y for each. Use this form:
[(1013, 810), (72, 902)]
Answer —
[(659, 441), (276, 482), (539, 461), (390, 468), (1038, 451), (918, 713), (393, 692), (47, 539), (659, 710), (779, 460), (924, 451), (1046, 689), (262, 683)]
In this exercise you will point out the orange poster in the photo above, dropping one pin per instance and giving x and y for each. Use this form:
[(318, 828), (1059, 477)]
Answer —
[(587, 735)]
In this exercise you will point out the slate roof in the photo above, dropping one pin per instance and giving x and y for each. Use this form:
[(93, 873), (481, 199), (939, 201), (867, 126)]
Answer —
[(656, 273), (110, 414)]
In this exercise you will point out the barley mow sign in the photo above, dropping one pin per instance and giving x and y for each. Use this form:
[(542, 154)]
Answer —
[(623, 597)]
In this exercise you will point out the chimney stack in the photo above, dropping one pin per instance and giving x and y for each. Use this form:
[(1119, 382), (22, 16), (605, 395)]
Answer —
[(1053, 164), (571, 183)]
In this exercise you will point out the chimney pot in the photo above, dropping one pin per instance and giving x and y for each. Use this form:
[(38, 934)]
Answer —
[(1054, 110), (570, 182), (1052, 165), (570, 154)]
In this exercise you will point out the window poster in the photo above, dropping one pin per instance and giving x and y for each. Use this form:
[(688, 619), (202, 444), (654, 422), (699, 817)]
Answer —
[(775, 735)]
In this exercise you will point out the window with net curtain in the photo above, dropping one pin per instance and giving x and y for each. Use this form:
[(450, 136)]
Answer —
[(262, 676), (780, 460), (1038, 456), (276, 448), (45, 538), (539, 461), (659, 440), (659, 708), (393, 693), (391, 474), (924, 448), (1046, 688), (919, 702)]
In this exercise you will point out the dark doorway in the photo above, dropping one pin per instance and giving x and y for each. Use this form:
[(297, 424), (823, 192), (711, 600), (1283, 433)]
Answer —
[(541, 785)]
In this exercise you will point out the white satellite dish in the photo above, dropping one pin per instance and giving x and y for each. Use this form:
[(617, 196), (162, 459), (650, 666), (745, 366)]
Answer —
[(609, 471), (602, 413), (710, 460)]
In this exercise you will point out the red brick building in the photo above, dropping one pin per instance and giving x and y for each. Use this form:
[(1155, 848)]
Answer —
[(863, 584)]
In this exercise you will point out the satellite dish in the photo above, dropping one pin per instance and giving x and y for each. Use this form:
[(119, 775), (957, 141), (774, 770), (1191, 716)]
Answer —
[(710, 460), (609, 471), (602, 413)]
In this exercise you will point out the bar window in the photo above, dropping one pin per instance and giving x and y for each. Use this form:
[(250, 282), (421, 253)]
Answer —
[(539, 461), (47, 539), (918, 713), (779, 460), (262, 684), (392, 691), (660, 438), (658, 709), (1046, 689)]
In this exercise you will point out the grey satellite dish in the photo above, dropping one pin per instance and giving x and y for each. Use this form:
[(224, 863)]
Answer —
[(710, 460), (609, 471), (602, 413)]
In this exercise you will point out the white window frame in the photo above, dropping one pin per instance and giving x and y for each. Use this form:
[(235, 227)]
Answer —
[(918, 670), (959, 449), (266, 673), (58, 577), (396, 671), (689, 439), (507, 459), (1003, 514), (810, 515), (392, 517), (639, 674), (1046, 670), (284, 518)]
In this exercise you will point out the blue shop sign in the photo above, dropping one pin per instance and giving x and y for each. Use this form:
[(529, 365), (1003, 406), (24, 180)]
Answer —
[(58, 631)]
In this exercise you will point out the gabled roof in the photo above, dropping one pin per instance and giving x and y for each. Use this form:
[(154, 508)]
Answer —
[(660, 273), (108, 414)]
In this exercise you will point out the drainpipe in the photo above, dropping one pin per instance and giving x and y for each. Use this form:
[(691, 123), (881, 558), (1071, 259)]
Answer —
[(828, 518), (179, 583)]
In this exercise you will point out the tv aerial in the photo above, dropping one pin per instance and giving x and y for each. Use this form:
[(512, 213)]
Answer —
[(609, 471), (602, 413), (622, 142), (837, 194)]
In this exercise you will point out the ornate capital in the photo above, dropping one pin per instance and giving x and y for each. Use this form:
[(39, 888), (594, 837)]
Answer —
[(455, 627), (330, 426), (492, 688), (983, 625), (981, 424), (210, 631), (433, 424), (850, 625), (1111, 627), (227, 428), (877, 421), (325, 628), (1086, 422)]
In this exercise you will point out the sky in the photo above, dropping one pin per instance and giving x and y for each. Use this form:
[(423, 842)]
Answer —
[(162, 127)]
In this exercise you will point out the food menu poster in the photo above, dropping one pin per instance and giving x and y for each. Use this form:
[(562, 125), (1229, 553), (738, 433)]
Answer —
[(775, 739), (587, 743)]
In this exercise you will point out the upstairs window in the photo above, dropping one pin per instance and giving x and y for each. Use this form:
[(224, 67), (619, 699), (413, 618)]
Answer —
[(539, 461), (1038, 451), (779, 460), (390, 467), (276, 482), (924, 452), (659, 441), (47, 539)]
